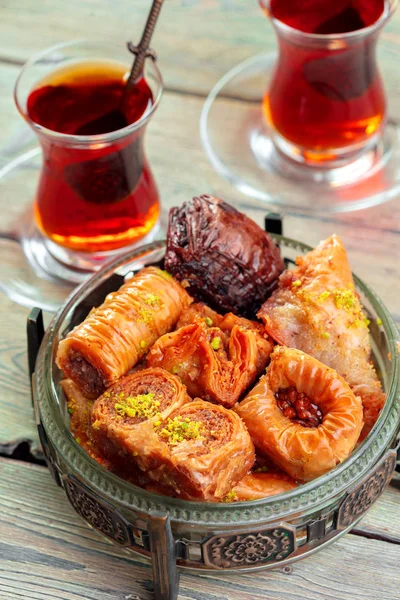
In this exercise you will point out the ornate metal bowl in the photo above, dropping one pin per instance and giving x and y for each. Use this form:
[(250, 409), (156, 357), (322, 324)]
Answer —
[(206, 536)]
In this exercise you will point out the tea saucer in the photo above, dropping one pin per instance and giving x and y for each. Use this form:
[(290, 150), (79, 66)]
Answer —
[(30, 274), (239, 145)]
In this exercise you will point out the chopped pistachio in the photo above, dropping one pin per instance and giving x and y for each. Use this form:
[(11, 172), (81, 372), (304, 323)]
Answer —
[(177, 430), (208, 321), (152, 299), (146, 316), (296, 283), (165, 274), (262, 469), (216, 343), (325, 335), (379, 321), (142, 405), (230, 496), (345, 298), (324, 296)]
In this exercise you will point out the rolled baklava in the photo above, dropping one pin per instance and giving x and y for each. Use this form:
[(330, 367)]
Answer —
[(117, 334)]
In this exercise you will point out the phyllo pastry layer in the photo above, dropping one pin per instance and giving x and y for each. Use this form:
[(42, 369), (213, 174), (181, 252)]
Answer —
[(302, 415), (317, 310), (216, 357), (117, 334)]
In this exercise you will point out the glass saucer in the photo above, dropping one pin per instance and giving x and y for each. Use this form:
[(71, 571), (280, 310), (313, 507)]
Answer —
[(238, 143), (30, 272)]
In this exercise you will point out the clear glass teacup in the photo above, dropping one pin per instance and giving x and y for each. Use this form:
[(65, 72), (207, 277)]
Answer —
[(96, 192), (326, 102)]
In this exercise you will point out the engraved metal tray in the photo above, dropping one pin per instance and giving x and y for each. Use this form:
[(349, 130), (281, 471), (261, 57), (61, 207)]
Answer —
[(177, 534)]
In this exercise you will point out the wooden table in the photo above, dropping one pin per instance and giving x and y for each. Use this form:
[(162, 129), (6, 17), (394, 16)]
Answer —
[(46, 550)]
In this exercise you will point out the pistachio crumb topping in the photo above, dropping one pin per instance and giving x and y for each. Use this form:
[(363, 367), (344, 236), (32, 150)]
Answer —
[(208, 321), (348, 300), (142, 405), (152, 299), (343, 298), (146, 316), (230, 496), (296, 283), (326, 335), (324, 296), (216, 343), (263, 469), (177, 430), (70, 410), (165, 274)]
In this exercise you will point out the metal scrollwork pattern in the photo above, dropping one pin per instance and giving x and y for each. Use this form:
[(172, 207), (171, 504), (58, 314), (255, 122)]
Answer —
[(97, 513), (364, 495), (49, 455), (249, 550)]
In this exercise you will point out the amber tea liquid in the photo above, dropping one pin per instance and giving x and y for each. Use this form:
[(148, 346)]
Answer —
[(101, 195), (322, 99)]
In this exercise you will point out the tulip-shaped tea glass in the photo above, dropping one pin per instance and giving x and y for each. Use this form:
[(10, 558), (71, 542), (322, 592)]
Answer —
[(95, 193), (309, 127)]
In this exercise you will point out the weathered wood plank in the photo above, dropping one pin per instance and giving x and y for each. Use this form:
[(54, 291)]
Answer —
[(197, 41), (48, 552), (16, 413), (7, 80), (379, 520)]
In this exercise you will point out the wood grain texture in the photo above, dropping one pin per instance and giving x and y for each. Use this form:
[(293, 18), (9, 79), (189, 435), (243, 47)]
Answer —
[(9, 116), (197, 41), (49, 553), (381, 520), (16, 413)]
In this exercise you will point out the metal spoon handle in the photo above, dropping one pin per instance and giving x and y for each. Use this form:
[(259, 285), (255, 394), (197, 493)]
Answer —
[(143, 46)]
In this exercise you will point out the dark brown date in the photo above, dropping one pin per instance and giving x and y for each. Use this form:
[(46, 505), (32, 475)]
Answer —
[(228, 261)]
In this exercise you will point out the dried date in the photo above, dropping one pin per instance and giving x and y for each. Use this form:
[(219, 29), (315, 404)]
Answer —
[(228, 261)]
